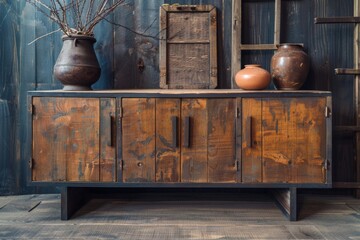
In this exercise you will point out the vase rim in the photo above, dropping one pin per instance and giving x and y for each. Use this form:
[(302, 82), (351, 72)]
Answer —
[(78, 36), (252, 65), (290, 45)]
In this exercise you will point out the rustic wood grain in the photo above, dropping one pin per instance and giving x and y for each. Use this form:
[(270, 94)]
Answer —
[(65, 139), (107, 164), (189, 46), (138, 139), (187, 66), (222, 166), (251, 148), (277, 144), (194, 162), (167, 145), (294, 142)]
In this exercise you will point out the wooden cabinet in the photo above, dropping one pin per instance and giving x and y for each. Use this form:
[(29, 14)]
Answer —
[(284, 140), (72, 139), (179, 140)]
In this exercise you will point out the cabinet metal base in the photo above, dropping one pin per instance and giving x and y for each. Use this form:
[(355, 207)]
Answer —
[(286, 199), (73, 198)]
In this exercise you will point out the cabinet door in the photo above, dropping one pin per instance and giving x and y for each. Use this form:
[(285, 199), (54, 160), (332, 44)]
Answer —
[(222, 162), (194, 135), (208, 140), (138, 139), (66, 136), (178, 140), (168, 140), (284, 140)]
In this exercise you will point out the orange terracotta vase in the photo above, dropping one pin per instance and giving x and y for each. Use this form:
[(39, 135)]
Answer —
[(252, 77)]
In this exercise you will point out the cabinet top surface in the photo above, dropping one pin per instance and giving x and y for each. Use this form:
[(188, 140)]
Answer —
[(180, 93)]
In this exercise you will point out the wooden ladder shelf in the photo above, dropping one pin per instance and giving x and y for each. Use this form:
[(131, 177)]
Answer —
[(356, 72)]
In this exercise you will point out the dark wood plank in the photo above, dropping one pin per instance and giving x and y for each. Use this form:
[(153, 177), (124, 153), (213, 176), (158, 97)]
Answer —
[(65, 139), (251, 140), (194, 159), (168, 140), (322, 20), (138, 139), (305, 232), (222, 166), (346, 71), (107, 164)]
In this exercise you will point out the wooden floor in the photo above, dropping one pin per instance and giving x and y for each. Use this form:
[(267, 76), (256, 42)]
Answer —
[(251, 216)]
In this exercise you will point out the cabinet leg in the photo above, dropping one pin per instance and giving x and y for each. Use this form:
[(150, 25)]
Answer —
[(72, 199), (286, 200)]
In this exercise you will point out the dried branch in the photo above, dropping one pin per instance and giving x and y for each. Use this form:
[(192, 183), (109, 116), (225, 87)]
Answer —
[(76, 16), (138, 33)]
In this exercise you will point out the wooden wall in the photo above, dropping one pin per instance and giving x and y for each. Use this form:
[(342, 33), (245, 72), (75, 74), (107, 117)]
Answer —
[(29, 67)]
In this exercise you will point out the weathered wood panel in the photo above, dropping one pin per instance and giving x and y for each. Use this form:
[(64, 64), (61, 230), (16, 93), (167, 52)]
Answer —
[(185, 68), (294, 140), (251, 140), (65, 139), (221, 140), (277, 135), (190, 52), (10, 164), (309, 154), (107, 164), (138, 139), (168, 140), (194, 133)]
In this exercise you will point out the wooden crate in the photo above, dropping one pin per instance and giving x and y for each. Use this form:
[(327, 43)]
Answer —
[(188, 52)]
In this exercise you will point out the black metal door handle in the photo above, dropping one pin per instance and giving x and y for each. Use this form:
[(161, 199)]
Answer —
[(186, 132)]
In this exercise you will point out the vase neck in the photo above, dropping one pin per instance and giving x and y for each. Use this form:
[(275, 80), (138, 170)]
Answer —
[(252, 65), (79, 37), (287, 46)]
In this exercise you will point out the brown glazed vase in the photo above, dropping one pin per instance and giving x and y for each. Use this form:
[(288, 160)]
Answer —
[(289, 67), (77, 67), (252, 77)]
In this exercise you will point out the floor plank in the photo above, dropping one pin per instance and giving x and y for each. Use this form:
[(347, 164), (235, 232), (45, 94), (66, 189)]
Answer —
[(251, 217)]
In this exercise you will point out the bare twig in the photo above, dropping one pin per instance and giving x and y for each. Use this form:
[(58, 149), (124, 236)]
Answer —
[(44, 36), (137, 33), (84, 14)]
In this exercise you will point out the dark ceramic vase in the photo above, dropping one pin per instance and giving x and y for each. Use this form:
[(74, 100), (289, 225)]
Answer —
[(77, 67), (289, 67)]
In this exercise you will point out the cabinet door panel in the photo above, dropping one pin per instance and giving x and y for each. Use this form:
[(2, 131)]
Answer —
[(167, 140), (294, 140), (65, 139), (194, 134), (251, 140), (138, 139), (107, 140), (221, 140)]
